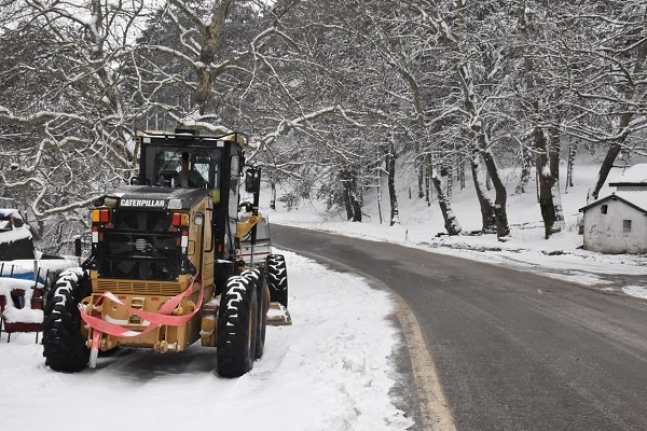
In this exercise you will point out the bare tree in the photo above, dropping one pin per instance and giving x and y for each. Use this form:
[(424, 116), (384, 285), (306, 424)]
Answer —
[(97, 78), (607, 56), (73, 65)]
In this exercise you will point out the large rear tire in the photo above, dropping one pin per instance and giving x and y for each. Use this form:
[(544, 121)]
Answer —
[(277, 278), (256, 276), (64, 347), (237, 327)]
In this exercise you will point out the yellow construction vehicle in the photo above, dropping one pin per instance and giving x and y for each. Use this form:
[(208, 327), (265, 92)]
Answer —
[(175, 258)]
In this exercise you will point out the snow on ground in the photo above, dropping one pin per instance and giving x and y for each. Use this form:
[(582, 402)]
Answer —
[(329, 371), (637, 291)]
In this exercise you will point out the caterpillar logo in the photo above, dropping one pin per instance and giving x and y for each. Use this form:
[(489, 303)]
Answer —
[(152, 203)]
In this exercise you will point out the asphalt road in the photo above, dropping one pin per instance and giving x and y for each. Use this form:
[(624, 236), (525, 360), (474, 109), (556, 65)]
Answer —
[(511, 350)]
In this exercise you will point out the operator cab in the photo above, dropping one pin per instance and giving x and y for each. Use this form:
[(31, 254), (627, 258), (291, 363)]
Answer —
[(205, 160), (216, 162)]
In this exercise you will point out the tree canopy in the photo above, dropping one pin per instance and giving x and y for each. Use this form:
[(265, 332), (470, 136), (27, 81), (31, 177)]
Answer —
[(331, 92)]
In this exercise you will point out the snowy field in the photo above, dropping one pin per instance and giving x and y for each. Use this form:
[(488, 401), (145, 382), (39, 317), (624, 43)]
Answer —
[(329, 371)]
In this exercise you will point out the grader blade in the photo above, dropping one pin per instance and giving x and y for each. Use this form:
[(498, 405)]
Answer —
[(278, 315)]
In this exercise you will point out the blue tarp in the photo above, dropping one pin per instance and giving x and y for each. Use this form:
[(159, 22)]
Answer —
[(24, 276), (21, 272)]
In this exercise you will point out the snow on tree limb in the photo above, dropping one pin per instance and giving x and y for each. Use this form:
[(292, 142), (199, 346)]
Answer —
[(284, 127)]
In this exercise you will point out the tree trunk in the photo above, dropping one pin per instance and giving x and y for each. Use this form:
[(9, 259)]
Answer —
[(273, 196), (501, 196), (356, 198), (603, 173), (547, 166), (547, 161), (346, 195), (428, 170), (447, 173), (526, 166), (357, 210), (353, 195), (487, 207), (461, 173), (545, 182), (421, 178), (212, 34), (477, 126), (555, 154), (378, 184), (570, 165), (488, 181), (451, 222), (390, 157), (548, 177)]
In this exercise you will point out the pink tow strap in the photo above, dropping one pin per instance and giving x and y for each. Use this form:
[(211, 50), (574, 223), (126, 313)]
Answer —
[(163, 317)]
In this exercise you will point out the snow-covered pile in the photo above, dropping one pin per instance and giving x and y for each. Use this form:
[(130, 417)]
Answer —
[(11, 312), (11, 233), (20, 275)]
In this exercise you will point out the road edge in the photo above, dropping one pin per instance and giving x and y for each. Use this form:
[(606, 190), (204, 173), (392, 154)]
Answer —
[(434, 411)]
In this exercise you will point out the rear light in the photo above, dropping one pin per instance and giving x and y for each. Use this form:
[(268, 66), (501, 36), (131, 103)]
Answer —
[(95, 234), (100, 216), (179, 219), (183, 240)]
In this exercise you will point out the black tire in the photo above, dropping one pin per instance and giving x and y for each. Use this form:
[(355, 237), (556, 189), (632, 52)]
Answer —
[(277, 278), (257, 278), (64, 346), (237, 327)]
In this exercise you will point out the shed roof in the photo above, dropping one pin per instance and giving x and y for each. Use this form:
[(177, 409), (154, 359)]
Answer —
[(636, 200), (635, 175)]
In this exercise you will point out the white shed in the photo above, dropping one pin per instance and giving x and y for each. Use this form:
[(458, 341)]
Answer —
[(618, 223)]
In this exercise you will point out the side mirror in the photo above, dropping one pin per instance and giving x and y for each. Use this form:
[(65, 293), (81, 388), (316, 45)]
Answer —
[(242, 162), (78, 249), (253, 180)]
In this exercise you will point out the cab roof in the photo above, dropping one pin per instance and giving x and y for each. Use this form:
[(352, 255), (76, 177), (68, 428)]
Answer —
[(194, 135)]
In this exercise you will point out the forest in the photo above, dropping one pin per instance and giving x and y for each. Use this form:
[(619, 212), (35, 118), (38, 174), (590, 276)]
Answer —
[(330, 92)]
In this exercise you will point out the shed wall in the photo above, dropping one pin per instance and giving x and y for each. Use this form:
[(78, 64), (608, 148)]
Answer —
[(605, 233)]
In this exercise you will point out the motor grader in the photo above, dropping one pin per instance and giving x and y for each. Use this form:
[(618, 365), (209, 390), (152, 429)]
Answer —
[(170, 265)]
